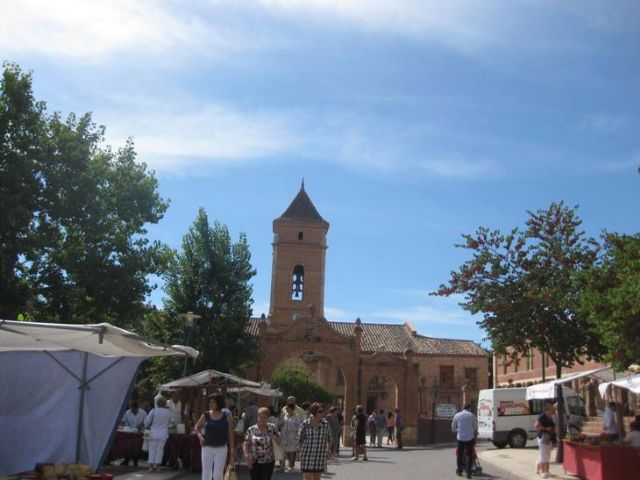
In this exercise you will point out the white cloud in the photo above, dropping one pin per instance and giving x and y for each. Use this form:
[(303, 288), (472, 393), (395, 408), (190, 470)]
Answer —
[(90, 31), (601, 122), (178, 138)]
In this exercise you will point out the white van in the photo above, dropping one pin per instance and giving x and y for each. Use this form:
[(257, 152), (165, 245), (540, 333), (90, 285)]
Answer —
[(506, 417)]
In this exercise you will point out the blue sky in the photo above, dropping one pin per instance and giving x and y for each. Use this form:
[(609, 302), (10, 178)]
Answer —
[(412, 122)]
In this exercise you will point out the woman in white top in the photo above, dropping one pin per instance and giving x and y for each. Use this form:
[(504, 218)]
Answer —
[(158, 421)]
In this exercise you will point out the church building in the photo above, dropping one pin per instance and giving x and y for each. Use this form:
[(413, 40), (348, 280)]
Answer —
[(377, 365)]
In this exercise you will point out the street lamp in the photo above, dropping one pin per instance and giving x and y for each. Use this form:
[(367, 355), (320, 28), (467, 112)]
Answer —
[(189, 318)]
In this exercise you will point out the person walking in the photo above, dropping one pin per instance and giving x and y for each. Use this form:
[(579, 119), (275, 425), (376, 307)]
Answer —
[(399, 428), (380, 426), (465, 426), (218, 438), (360, 428), (334, 426), (546, 428), (391, 426), (371, 428), (610, 428), (158, 421), (258, 446), (289, 428), (314, 443)]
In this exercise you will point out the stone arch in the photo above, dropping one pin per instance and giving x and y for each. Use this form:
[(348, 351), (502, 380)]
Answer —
[(320, 367), (380, 392)]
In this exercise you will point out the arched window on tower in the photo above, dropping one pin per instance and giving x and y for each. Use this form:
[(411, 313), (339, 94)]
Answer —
[(297, 283)]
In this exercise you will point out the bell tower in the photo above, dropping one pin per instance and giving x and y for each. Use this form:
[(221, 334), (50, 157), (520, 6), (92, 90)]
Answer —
[(297, 274)]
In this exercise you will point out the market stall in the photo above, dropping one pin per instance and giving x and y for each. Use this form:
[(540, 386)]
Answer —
[(65, 388), (601, 462)]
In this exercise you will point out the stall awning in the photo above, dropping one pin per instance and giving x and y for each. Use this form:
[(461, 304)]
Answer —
[(631, 383), (101, 339), (204, 377), (264, 390), (64, 389), (547, 389)]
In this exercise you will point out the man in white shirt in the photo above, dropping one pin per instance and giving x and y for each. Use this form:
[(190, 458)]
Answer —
[(175, 406), (610, 423), (465, 426), (133, 420)]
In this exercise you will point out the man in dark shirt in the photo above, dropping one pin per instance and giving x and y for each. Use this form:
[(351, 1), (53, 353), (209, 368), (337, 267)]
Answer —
[(399, 428)]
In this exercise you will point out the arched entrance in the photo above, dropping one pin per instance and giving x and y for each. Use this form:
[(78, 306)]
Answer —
[(321, 369), (382, 394)]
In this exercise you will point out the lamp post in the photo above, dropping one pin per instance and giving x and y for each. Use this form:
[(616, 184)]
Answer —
[(434, 394), (188, 318)]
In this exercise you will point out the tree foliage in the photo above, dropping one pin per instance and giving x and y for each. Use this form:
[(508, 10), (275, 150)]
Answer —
[(72, 233), (523, 284), (293, 381), (210, 276), (611, 299)]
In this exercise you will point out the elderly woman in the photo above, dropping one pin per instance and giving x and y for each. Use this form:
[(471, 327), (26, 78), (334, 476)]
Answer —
[(314, 440), (158, 421), (289, 428), (258, 446), (546, 429), (218, 438)]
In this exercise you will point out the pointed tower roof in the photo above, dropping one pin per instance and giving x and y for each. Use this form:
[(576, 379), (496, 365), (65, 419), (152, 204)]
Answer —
[(302, 209)]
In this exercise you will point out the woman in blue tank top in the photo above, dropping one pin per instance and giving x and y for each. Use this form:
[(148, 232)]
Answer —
[(217, 440)]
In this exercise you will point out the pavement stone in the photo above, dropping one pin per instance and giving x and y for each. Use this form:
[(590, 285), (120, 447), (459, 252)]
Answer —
[(424, 463), (521, 462)]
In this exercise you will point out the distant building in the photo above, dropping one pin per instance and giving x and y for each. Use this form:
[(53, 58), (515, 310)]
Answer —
[(377, 365), (531, 368)]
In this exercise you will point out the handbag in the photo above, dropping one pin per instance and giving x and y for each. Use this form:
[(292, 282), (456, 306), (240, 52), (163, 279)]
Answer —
[(230, 473), (147, 434), (278, 452)]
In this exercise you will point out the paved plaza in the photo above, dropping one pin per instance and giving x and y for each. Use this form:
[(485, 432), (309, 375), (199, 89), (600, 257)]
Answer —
[(427, 463)]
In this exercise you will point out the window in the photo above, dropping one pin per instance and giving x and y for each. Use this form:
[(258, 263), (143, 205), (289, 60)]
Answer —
[(297, 283), (300, 236), (446, 375), (471, 374)]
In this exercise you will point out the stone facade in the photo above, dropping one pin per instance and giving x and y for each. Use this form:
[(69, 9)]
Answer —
[(377, 365)]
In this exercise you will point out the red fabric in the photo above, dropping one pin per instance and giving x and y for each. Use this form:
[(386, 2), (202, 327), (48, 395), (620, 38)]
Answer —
[(601, 462), (125, 445)]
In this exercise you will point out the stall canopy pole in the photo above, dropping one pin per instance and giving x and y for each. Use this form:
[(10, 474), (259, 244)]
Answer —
[(83, 386)]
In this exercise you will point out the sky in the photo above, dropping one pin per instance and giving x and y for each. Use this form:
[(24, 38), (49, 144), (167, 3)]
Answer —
[(411, 122)]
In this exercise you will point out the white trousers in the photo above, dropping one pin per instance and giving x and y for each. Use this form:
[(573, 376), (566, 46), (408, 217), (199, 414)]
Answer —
[(544, 451), (213, 460), (156, 450)]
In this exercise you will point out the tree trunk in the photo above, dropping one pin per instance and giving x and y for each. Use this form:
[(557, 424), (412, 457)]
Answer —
[(560, 411)]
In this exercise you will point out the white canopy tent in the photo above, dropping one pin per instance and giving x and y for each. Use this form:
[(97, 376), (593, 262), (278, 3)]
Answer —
[(203, 378), (64, 388), (545, 390), (264, 390), (631, 383)]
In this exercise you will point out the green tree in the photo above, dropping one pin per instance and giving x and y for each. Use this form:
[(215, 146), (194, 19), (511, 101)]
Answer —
[(22, 126), (81, 254), (523, 284), (611, 297), (211, 276), (292, 381)]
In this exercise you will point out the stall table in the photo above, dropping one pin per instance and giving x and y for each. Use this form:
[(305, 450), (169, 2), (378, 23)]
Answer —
[(601, 462), (180, 448), (125, 444)]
